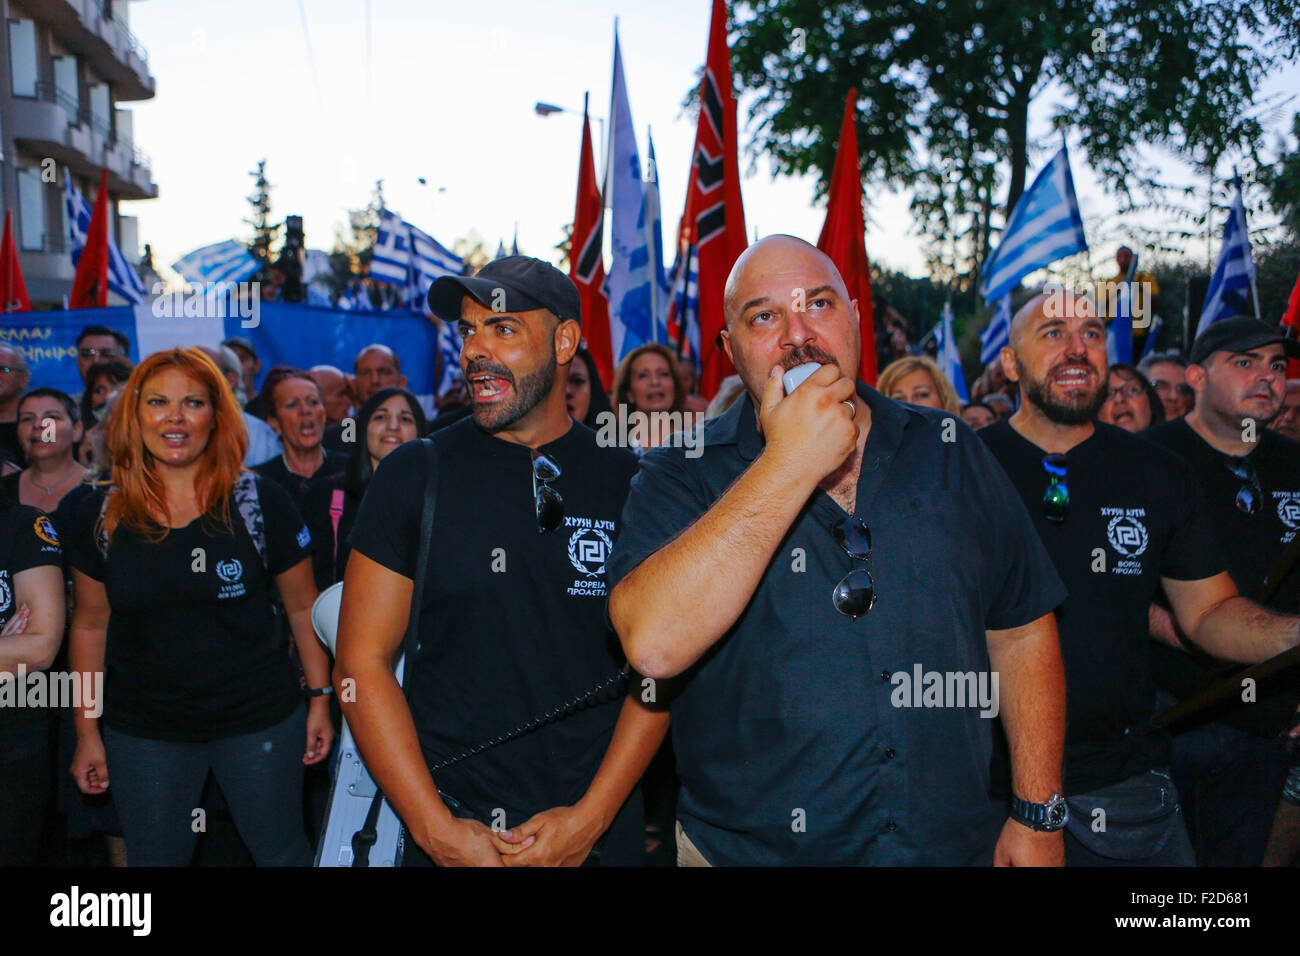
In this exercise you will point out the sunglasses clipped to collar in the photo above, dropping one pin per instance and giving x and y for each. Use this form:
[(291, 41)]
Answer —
[(1056, 499), (855, 595), (547, 502), (1251, 494)]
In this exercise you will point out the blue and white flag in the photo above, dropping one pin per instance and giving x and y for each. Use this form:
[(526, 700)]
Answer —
[(1045, 226), (948, 357), (448, 375), (409, 258), (122, 279), (1151, 338), (684, 303), (997, 334), (652, 232), (1119, 334), (1234, 273), (228, 261), (628, 282)]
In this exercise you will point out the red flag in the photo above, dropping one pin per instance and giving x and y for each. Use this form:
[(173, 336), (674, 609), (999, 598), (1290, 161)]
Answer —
[(13, 291), (1291, 327), (90, 286), (587, 262), (717, 215), (843, 235)]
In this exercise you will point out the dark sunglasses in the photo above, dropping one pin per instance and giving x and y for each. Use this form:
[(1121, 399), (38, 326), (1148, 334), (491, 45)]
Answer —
[(1250, 494), (546, 500), (1056, 499), (855, 595)]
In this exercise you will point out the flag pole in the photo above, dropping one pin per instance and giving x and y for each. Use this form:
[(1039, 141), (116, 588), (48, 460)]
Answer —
[(1254, 286)]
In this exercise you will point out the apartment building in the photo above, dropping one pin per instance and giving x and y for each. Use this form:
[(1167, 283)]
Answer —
[(65, 68)]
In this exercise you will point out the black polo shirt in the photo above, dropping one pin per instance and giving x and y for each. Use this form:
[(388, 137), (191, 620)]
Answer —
[(792, 746), (512, 623), (298, 486), (1136, 514), (1252, 544)]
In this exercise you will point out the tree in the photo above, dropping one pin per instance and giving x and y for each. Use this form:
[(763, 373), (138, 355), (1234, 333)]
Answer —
[(263, 231), (946, 88), (1283, 182)]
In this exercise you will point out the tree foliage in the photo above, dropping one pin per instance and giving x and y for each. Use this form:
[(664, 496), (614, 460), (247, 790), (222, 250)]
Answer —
[(264, 232), (945, 88)]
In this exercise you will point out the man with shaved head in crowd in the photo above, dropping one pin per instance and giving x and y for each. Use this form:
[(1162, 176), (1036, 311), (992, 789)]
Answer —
[(786, 579), (1121, 517)]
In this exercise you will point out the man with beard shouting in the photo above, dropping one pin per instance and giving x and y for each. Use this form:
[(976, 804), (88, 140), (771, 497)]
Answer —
[(823, 584), (512, 621), (1120, 516)]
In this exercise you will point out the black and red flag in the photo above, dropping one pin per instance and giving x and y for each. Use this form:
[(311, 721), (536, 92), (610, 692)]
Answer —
[(715, 226), (586, 261)]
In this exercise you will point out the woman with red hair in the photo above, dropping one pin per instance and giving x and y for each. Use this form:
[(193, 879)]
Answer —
[(177, 568)]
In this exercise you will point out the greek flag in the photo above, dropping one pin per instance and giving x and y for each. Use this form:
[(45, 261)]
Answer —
[(449, 374), (1119, 334), (410, 258), (684, 305), (122, 279), (1045, 226), (948, 357), (997, 334), (228, 261), (629, 282), (652, 231), (1234, 273)]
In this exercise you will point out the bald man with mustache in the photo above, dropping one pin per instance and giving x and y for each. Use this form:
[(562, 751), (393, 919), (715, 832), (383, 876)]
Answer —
[(802, 585)]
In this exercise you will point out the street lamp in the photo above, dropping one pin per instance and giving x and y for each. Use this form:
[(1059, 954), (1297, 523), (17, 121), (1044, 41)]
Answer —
[(546, 109)]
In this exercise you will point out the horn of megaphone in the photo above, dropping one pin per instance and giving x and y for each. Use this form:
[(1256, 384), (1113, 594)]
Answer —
[(325, 614)]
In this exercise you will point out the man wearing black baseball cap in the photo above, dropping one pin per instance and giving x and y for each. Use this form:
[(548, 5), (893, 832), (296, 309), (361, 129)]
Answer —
[(1227, 763), (512, 620)]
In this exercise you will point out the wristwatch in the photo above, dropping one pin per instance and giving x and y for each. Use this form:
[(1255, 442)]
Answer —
[(1044, 817)]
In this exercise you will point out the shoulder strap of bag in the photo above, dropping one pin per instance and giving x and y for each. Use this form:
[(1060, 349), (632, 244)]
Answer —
[(336, 515), (1278, 573), (365, 838)]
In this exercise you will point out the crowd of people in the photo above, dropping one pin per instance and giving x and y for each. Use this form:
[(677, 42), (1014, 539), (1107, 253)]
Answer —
[(1099, 541)]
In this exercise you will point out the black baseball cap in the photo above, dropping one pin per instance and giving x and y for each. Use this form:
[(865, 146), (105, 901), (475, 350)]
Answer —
[(508, 284), (1241, 333)]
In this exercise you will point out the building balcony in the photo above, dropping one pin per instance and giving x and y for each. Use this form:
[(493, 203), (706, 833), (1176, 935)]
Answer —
[(45, 126), (114, 52)]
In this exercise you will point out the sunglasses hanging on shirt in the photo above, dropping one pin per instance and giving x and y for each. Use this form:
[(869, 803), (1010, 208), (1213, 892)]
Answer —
[(1056, 499), (546, 500), (1251, 494), (855, 595)]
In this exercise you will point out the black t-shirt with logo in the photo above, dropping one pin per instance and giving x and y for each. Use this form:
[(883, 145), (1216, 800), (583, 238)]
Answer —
[(1136, 514), (512, 623), (1253, 543), (195, 651), (27, 540)]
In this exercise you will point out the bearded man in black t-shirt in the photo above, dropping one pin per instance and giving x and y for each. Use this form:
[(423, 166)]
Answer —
[(511, 620), (1228, 762), (1121, 517)]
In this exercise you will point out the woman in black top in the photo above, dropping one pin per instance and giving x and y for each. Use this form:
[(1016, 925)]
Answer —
[(31, 629), (389, 418), (296, 412), (49, 428), (176, 570)]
